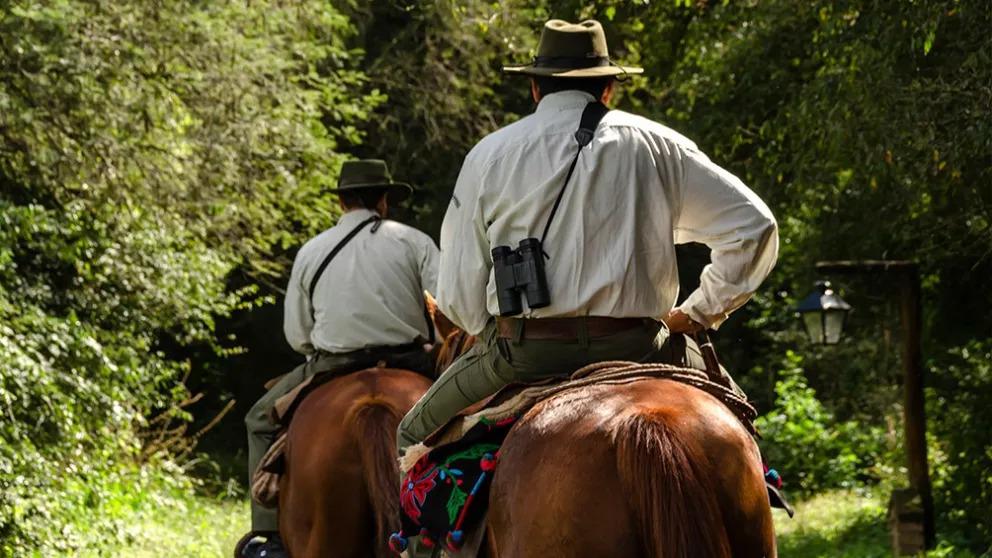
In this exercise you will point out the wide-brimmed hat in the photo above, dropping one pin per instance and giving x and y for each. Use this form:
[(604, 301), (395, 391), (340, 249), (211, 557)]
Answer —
[(572, 50), (366, 174)]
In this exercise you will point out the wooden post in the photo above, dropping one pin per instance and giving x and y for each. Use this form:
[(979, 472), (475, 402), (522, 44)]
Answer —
[(907, 509), (913, 403)]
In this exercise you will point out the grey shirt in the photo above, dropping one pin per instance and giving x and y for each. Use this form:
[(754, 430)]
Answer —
[(371, 294)]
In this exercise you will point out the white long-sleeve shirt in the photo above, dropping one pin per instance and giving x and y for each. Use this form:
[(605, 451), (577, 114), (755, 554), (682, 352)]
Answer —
[(638, 189), (370, 295)]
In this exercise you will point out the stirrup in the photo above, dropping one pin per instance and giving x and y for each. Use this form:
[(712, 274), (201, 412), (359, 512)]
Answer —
[(239, 548)]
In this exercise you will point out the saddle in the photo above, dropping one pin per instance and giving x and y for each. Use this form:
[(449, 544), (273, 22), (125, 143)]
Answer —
[(446, 479)]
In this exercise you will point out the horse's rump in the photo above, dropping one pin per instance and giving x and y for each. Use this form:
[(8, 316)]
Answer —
[(340, 495), (651, 468)]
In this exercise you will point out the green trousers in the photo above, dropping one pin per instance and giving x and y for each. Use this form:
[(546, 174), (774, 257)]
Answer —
[(494, 362), (262, 430)]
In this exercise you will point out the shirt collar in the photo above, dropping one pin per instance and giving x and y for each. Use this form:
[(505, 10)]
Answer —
[(355, 216), (564, 100)]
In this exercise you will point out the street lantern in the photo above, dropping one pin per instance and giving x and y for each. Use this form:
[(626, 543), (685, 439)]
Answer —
[(824, 314)]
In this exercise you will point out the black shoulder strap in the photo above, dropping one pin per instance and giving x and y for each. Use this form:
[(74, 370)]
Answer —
[(430, 324), (334, 252), (591, 116)]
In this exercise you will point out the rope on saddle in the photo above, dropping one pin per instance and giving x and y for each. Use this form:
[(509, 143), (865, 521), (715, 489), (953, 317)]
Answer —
[(619, 371)]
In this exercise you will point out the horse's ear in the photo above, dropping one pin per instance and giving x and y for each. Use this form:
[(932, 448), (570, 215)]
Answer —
[(444, 326), (431, 303)]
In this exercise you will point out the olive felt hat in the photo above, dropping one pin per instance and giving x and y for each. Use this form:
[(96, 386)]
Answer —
[(572, 50), (370, 173)]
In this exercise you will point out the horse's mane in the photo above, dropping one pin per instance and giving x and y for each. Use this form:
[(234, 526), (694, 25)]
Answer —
[(454, 345), (454, 341)]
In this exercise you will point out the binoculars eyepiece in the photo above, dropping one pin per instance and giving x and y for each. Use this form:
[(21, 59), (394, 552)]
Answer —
[(520, 272)]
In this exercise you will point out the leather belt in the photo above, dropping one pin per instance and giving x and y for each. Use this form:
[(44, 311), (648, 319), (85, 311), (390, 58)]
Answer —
[(568, 329), (376, 351)]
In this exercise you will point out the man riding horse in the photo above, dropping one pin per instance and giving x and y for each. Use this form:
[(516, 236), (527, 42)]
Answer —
[(365, 308), (612, 201)]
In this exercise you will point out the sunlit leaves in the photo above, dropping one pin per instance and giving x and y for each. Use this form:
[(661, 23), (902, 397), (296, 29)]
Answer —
[(147, 150)]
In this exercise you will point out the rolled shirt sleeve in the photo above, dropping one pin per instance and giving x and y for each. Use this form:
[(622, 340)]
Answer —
[(718, 210), (465, 261), (297, 312)]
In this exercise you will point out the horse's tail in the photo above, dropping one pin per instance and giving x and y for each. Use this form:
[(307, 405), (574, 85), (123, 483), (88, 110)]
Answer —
[(375, 423), (673, 502)]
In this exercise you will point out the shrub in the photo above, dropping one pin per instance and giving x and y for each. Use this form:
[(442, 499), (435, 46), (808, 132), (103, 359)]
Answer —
[(802, 439), (959, 416)]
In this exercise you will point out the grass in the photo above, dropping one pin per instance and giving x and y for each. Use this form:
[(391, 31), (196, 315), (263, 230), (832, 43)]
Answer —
[(832, 524), (195, 528), (839, 523)]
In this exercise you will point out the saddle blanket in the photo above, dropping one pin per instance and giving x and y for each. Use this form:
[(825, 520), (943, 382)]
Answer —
[(446, 479)]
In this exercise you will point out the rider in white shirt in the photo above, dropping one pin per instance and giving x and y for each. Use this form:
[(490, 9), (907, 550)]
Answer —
[(355, 298)]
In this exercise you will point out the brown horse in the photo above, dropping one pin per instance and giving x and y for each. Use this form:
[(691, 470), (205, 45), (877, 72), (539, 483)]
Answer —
[(652, 468), (339, 497)]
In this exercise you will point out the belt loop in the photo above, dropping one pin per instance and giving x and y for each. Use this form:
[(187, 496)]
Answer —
[(582, 332), (518, 331)]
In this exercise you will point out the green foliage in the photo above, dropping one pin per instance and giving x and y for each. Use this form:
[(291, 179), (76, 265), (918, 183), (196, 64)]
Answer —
[(804, 441), (960, 415), (147, 150)]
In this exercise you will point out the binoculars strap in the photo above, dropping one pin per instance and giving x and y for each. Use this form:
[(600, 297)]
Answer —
[(334, 252), (591, 116)]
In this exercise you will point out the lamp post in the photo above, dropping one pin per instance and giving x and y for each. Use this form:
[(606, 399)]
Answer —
[(911, 510)]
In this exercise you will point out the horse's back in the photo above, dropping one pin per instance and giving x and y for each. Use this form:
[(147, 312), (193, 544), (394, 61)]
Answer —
[(341, 432), (637, 469)]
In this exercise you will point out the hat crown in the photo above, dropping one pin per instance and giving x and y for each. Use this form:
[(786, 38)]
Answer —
[(364, 171), (562, 39), (572, 50)]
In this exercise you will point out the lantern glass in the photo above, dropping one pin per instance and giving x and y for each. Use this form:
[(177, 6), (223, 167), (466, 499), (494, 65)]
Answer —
[(833, 325), (813, 321)]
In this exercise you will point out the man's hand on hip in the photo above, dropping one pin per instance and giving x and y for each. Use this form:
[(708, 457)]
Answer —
[(680, 322)]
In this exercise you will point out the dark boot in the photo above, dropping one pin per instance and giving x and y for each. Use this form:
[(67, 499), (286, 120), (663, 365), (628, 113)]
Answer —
[(263, 545)]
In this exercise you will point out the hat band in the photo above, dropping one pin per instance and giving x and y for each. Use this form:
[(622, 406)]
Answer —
[(365, 179), (571, 61)]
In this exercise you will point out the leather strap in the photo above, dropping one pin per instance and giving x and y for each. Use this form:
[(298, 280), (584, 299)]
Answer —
[(334, 252), (591, 117), (708, 350), (377, 351), (568, 329)]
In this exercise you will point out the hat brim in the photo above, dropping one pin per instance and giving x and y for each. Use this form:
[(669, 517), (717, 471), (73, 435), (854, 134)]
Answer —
[(398, 191), (596, 71)]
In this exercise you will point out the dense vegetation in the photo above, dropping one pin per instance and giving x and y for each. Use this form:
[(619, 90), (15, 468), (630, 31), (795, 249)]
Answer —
[(146, 151), (159, 163)]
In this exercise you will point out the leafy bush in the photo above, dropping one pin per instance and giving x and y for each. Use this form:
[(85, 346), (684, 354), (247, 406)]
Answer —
[(959, 416), (147, 150), (802, 439)]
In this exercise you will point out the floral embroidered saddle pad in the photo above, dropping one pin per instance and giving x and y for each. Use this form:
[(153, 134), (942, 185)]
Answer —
[(446, 479)]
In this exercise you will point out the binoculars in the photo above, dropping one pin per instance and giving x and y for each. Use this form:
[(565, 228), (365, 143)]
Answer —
[(520, 272)]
